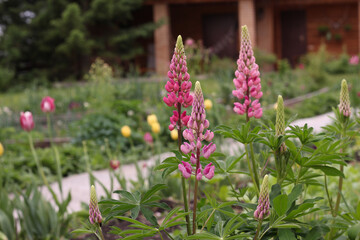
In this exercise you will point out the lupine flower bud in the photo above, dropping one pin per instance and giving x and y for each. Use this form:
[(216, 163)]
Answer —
[(280, 121), (263, 208), (27, 121), (247, 80), (178, 86), (344, 106), (197, 125), (47, 104), (94, 212)]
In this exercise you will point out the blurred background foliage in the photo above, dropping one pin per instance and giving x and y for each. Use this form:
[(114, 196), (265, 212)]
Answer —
[(58, 39)]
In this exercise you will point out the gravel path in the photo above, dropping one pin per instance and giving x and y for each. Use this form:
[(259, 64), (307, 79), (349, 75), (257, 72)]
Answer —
[(79, 186)]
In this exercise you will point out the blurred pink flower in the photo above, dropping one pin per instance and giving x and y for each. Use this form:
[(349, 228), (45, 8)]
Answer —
[(189, 42), (301, 66), (114, 164), (148, 138), (47, 104), (27, 121), (354, 60)]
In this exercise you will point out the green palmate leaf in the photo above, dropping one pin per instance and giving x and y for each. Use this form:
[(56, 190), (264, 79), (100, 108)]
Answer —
[(329, 171), (136, 223), (317, 232), (280, 204), (82, 231), (135, 212), (286, 234), (275, 191), (287, 225), (204, 235), (151, 192), (127, 195), (295, 193), (149, 215), (358, 211)]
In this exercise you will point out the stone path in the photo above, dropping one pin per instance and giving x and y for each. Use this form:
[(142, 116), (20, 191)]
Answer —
[(79, 186)]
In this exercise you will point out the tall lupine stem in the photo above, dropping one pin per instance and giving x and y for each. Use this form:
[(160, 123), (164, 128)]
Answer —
[(197, 124), (263, 208), (248, 87), (345, 112), (179, 96), (280, 160)]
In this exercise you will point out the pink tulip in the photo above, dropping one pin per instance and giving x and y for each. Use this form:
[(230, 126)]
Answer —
[(114, 164), (148, 138), (26, 121), (47, 104)]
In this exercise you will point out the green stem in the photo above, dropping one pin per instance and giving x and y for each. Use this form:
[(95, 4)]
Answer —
[(168, 235), (88, 167), (212, 212), (298, 178), (183, 184), (232, 187), (196, 190), (258, 230), (256, 175), (338, 197), (40, 170), (328, 196), (195, 205), (100, 233), (250, 169), (56, 154), (186, 206), (161, 236)]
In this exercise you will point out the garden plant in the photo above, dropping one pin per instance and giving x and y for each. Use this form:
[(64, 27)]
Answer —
[(283, 181), (273, 198)]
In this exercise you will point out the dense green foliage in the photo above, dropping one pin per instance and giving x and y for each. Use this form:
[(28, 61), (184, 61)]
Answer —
[(57, 39)]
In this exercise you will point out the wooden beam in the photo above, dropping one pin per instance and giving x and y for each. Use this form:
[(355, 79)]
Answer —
[(162, 39)]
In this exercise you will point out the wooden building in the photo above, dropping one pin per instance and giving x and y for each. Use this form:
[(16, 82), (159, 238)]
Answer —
[(288, 28)]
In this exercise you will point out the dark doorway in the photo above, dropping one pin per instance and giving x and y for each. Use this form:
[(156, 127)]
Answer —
[(220, 33), (293, 35)]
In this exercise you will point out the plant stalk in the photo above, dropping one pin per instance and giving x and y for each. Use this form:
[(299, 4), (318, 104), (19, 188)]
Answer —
[(183, 184), (196, 190), (250, 169), (258, 230), (40, 170), (256, 175), (56, 154)]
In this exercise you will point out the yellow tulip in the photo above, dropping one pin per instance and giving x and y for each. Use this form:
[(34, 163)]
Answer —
[(174, 134), (151, 119), (208, 104), (126, 131), (155, 127), (1, 149)]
